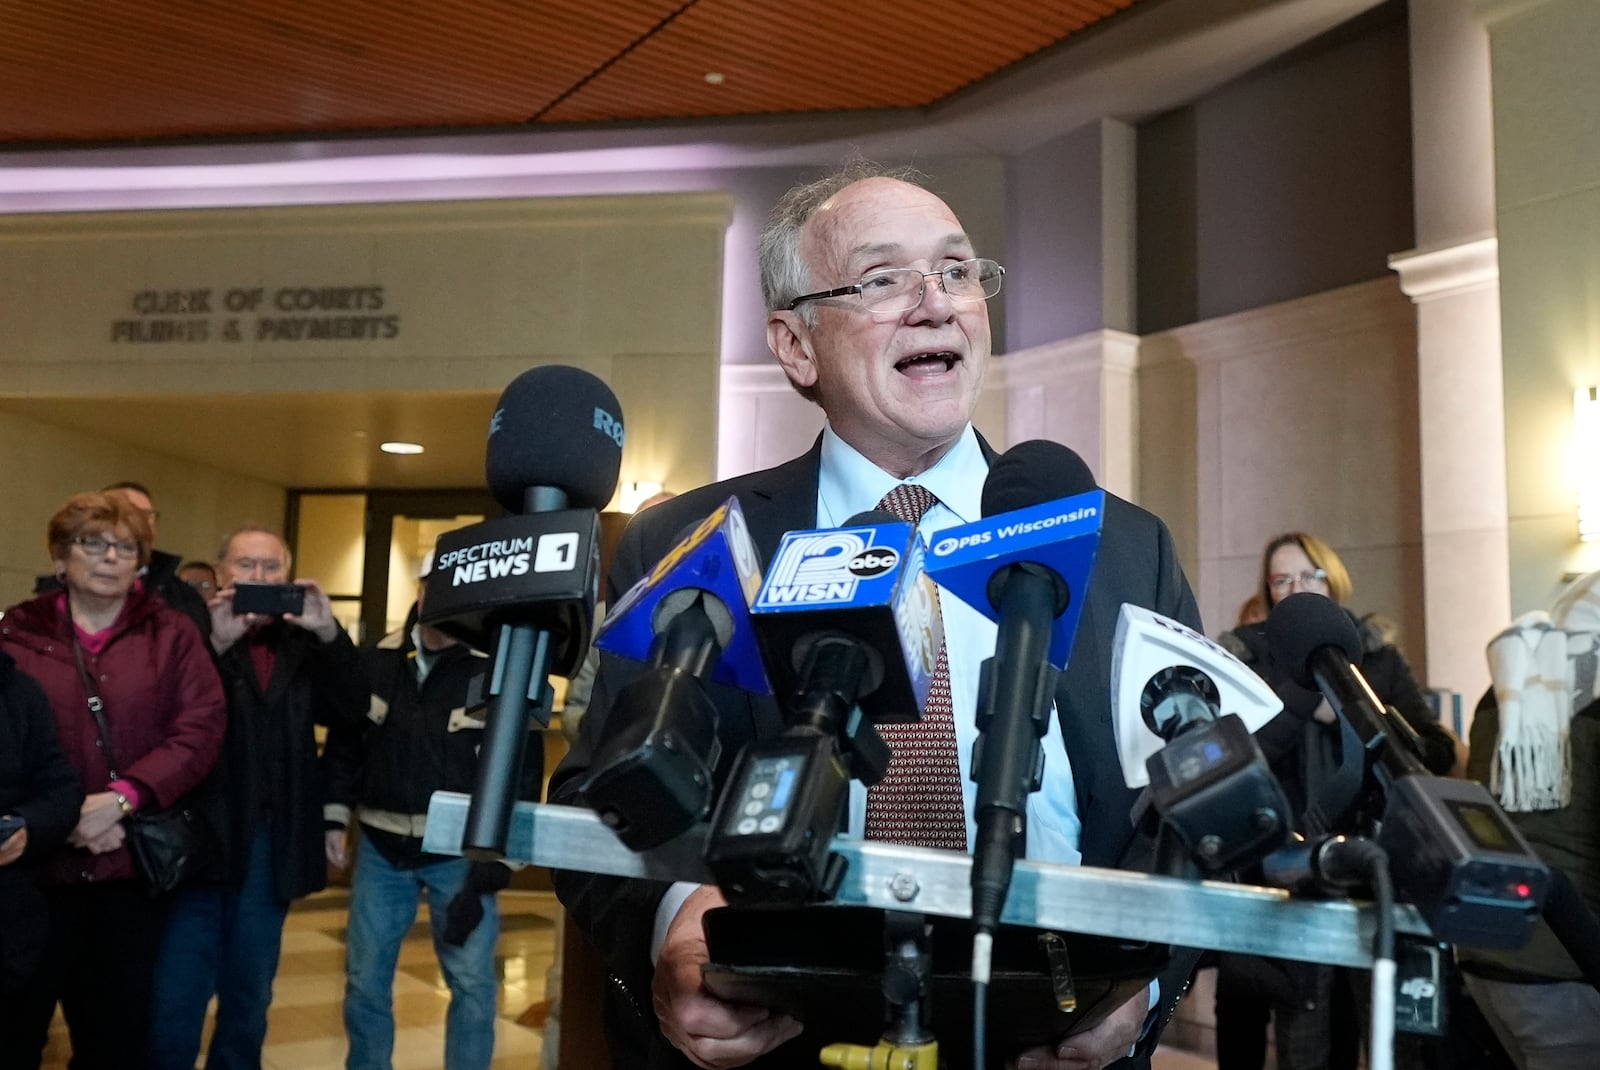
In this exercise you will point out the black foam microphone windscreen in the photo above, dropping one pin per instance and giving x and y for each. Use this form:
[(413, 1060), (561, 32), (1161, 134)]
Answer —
[(555, 426), (1031, 473), (1304, 623)]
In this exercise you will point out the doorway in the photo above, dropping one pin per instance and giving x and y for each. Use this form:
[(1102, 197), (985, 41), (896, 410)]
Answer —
[(365, 547)]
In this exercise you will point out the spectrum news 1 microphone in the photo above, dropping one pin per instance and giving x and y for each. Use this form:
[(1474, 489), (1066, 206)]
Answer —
[(1452, 851), (849, 627), (525, 586), (1026, 565), (1211, 791), (688, 619)]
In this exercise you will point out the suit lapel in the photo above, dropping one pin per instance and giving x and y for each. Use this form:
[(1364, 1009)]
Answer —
[(783, 499)]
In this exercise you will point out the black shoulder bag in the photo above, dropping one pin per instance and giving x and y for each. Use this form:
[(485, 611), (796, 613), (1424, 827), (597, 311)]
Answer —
[(169, 846)]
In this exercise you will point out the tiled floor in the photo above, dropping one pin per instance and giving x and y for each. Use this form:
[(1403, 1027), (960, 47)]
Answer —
[(306, 1030)]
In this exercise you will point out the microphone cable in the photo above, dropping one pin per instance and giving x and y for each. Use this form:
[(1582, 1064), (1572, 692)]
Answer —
[(1337, 865), (982, 950)]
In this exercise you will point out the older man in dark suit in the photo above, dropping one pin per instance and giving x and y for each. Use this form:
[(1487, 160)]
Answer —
[(878, 313)]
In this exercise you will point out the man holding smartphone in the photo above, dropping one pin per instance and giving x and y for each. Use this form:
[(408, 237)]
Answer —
[(286, 666)]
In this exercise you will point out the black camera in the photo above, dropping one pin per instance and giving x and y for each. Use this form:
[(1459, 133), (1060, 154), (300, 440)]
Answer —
[(269, 599)]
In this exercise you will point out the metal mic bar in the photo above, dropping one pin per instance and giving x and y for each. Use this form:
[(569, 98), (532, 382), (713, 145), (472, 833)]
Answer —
[(1102, 902)]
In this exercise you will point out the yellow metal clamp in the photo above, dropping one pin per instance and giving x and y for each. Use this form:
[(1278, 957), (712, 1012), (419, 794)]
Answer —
[(882, 1056)]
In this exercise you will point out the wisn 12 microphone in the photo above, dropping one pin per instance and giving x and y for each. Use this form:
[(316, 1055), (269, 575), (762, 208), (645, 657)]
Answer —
[(688, 619), (849, 625), (524, 586), (867, 583)]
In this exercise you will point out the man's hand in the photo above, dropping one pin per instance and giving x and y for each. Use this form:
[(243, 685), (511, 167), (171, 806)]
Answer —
[(14, 845), (1093, 1048), (228, 627), (98, 815), (713, 1033), (333, 845), (317, 616)]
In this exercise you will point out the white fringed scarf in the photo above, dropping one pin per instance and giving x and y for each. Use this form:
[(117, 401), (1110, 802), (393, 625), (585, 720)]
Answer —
[(1544, 672)]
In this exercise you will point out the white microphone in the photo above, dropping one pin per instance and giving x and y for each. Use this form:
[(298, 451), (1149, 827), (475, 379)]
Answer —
[(1147, 648)]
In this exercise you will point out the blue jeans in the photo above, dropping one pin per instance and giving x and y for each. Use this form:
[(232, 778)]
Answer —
[(383, 905), (219, 941)]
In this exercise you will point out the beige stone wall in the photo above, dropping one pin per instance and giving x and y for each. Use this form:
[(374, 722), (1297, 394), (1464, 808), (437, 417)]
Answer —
[(1305, 418), (43, 465)]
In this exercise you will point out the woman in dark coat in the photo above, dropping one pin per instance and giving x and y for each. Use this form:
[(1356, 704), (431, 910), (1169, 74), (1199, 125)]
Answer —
[(163, 704), (1313, 1006)]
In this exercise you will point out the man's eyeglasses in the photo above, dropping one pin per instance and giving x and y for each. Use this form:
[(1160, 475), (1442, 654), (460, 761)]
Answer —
[(95, 546), (1284, 580), (899, 289)]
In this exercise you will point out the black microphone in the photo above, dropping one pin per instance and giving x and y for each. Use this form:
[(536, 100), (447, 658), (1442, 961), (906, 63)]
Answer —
[(1317, 643), (1453, 853), (526, 585), (689, 620), (1016, 689)]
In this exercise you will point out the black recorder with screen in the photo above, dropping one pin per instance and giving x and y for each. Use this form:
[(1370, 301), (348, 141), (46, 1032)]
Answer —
[(269, 599), (1451, 850), (1470, 873)]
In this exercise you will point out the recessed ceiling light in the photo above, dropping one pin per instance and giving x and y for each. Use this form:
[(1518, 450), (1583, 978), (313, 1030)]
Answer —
[(400, 447), (715, 78)]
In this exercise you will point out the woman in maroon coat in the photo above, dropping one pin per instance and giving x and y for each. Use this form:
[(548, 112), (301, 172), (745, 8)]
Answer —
[(164, 706)]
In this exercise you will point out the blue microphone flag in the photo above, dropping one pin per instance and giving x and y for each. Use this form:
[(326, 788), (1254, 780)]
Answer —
[(1062, 535), (868, 582), (719, 557)]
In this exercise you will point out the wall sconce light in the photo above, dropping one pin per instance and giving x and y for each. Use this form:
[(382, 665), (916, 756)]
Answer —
[(632, 494), (1586, 460)]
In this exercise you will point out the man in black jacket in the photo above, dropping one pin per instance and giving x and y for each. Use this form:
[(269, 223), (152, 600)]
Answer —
[(283, 675), (421, 735), (161, 574)]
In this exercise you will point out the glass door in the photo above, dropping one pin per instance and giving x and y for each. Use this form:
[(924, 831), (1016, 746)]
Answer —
[(401, 529)]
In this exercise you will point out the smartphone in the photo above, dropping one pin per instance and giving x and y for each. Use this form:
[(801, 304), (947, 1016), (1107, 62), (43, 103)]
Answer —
[(269, 599), (10, 825)]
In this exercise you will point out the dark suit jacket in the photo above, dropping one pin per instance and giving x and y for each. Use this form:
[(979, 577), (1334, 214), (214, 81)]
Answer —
[(1136, 562)]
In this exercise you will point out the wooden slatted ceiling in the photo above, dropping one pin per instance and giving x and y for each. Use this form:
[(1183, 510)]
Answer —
[(822, 55), (162, 69)]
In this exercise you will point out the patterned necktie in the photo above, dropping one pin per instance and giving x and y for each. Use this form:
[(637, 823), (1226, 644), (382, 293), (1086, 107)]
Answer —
[(919, 802)]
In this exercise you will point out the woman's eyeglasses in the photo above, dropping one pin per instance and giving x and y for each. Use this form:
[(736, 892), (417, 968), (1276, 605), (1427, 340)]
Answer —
[(1282, 581), (95, 546)]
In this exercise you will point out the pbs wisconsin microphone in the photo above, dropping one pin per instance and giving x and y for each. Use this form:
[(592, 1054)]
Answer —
[(523, 587)]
